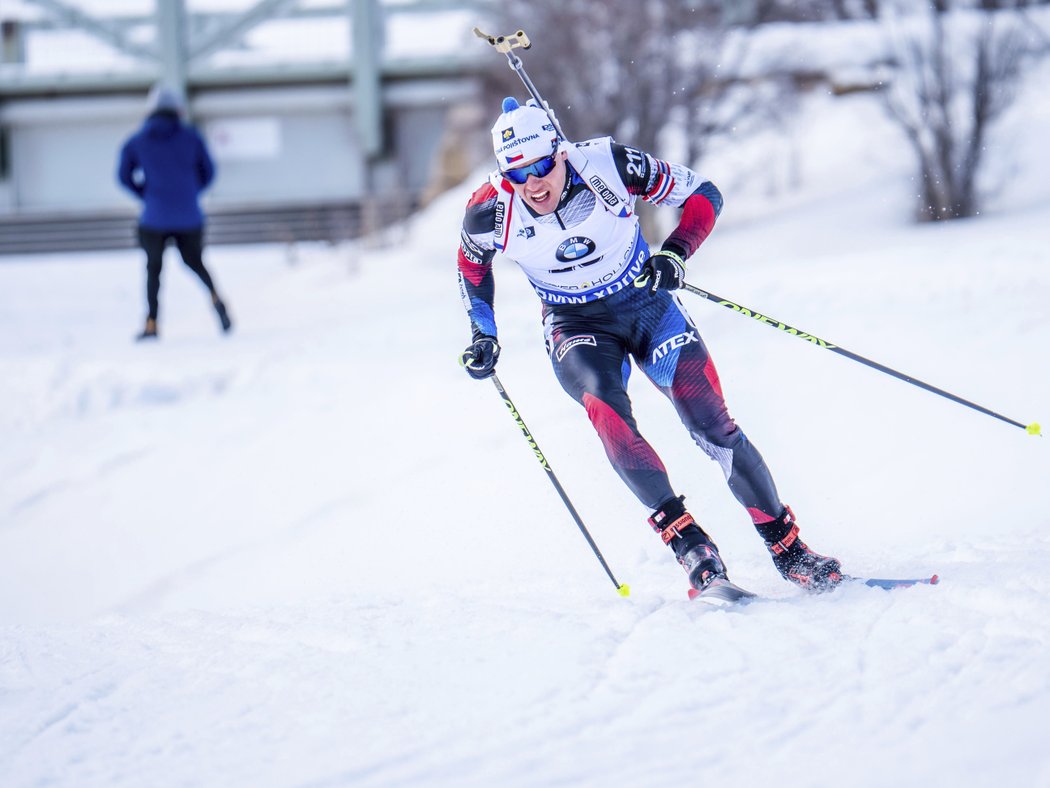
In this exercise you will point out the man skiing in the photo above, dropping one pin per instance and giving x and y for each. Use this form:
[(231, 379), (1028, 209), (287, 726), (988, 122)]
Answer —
[(564, 213)]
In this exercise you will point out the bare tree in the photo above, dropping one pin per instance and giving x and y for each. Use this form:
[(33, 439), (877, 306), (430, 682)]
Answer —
[(957, 69), (765, 11), (633, 70), (618, 66)]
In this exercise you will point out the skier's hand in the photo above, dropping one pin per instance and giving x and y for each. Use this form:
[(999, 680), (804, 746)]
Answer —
[(663, 271), (480, 358)]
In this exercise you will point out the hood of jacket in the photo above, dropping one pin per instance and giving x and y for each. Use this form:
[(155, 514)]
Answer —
[(163, 123)]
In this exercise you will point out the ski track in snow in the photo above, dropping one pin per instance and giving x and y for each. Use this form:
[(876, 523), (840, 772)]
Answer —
[(315, 554), (580, 707)]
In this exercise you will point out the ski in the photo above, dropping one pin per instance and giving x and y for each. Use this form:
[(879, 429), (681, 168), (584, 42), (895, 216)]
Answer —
[(890, 583), (721, 593)]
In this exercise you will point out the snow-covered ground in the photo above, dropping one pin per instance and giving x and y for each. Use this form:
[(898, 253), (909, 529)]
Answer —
[(315, 553)]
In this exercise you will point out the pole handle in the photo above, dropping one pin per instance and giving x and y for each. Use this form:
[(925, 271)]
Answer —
[(506, 43)]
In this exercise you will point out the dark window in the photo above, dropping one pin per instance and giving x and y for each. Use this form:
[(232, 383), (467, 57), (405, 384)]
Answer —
[(5, 153)]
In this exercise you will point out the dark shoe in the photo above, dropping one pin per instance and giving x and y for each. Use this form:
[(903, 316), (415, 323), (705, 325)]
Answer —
[(224, 316), (149, 332), (693, 548), (796, 562)]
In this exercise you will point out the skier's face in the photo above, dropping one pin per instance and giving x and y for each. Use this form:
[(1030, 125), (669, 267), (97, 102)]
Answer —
[(543, 194)]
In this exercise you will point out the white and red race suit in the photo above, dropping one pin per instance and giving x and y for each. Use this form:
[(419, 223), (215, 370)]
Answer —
[(583, 260)]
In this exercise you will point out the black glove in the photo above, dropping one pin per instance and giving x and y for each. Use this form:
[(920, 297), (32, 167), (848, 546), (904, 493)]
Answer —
[(664, 270), (480, 358)]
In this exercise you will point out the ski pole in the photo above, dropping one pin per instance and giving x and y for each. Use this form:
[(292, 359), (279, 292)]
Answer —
[(505, 44), (621, 588), (1031, 429)]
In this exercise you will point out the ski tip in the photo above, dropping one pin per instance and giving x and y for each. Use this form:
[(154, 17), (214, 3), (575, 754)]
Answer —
[(721, 593), (623, 589), (891, 583)]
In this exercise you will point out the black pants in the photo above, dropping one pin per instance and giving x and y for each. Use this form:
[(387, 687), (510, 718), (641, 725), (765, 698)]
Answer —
[(190, 244)]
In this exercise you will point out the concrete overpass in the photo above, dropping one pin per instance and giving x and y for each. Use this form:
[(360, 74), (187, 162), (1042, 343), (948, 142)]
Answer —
[(323, 145)]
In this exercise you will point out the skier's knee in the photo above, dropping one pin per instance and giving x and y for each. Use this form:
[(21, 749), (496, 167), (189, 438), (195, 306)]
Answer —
[(719, 446), (722, 433)]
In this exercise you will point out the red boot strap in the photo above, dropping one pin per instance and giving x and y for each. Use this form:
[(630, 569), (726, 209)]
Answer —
[(669, 532), (784, 544)]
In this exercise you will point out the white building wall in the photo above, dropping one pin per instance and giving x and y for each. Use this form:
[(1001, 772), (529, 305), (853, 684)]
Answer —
[(271, 147), (65, 168)]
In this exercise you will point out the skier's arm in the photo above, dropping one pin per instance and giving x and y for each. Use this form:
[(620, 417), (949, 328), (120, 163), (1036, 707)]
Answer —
[(126, 170), (205, 165), (699, 212), (663, 183), (477, 286)]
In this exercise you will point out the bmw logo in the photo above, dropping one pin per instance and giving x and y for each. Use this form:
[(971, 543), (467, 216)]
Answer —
[(575, 248)]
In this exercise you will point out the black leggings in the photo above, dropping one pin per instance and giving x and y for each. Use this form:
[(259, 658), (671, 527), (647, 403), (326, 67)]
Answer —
[(190, 244)]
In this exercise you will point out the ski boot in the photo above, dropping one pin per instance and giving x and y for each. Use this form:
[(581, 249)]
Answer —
[(224, 316), (149, 332), (794, 560), (693, 548)]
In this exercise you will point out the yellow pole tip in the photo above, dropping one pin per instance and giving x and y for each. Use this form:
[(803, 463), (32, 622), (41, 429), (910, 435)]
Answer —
[(624, 590), (1034, 429)]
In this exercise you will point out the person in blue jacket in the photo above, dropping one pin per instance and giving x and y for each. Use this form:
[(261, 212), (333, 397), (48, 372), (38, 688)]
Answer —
[(167, 165)]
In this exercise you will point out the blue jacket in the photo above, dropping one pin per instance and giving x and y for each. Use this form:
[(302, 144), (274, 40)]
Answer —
[(166, 165)]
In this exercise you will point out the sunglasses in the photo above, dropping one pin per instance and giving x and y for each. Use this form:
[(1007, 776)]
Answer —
[(540, 169)]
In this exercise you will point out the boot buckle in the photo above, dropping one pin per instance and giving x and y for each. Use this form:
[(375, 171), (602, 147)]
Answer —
[(782, 546), (669, 532)]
